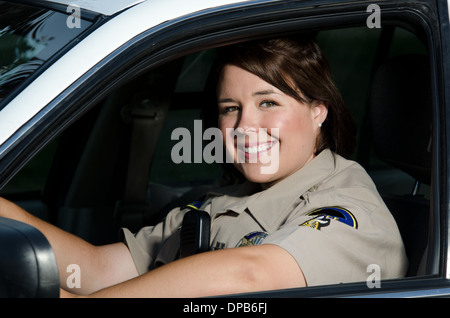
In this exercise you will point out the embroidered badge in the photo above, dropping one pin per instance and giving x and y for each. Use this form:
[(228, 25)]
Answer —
[(194, 205), (253, 238), (323, 216)]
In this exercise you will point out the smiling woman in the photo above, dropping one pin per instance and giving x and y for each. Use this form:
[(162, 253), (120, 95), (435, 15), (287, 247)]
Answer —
[(291, 126), (303, 207), (316, 200), (306, 80)]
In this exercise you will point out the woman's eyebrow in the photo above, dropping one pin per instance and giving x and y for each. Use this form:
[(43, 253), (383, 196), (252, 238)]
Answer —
[(226, 100), (257, 93), (265, 92)]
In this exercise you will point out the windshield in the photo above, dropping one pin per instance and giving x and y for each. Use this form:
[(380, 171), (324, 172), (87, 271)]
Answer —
[(29, 37)]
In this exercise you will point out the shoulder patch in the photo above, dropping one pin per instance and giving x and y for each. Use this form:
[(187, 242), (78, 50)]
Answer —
[(253, 238), (194, 205), (323, 216)]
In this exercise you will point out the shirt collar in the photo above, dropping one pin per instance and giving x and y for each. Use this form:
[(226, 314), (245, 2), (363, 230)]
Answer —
[(280, 199)]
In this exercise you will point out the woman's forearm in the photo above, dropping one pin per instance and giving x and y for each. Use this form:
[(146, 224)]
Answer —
[(222, 272), (98, 266)]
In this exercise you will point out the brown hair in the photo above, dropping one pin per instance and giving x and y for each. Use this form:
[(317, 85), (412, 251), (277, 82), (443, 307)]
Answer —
[(294, 65)]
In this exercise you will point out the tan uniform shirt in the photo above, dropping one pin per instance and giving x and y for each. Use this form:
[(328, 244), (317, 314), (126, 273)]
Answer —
[(328, 216)]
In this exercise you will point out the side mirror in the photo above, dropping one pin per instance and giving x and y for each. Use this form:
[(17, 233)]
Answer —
[(27, 263)]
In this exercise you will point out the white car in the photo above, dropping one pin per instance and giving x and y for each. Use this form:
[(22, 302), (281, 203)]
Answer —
[(84, 84)]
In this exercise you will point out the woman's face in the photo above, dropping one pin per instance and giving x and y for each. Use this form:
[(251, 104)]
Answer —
[(269, 134)]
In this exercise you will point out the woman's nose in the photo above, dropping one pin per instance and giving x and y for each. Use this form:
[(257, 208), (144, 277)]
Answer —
[(247, 120)]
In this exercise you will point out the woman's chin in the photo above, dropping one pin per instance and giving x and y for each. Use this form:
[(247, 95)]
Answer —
[(256, 174)]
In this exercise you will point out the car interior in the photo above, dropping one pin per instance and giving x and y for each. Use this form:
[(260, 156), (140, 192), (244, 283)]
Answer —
[(112, 167)]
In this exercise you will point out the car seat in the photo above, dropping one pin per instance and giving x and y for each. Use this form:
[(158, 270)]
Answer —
[(400, 111)]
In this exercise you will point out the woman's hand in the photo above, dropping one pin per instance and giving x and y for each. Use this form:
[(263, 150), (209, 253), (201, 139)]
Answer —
[(101, 266)]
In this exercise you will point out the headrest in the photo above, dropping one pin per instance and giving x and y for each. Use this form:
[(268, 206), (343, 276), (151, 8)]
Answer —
[(400, 111)]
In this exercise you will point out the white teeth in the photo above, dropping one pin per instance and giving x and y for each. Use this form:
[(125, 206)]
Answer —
[(256, 149)]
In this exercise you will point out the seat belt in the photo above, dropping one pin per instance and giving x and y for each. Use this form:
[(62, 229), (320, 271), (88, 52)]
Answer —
[(146, 114), (146, 118)]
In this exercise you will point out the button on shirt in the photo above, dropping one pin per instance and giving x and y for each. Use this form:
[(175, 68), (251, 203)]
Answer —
[(327, 215)]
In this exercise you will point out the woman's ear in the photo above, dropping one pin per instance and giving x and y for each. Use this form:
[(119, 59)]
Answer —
[(320, 112)]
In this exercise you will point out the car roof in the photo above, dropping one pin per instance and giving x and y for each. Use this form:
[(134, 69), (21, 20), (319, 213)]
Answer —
[(143, 14), (105, 7), (109, 8)]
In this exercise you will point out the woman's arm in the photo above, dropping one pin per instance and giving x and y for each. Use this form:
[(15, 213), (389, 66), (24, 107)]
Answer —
[(236, 270), (221, 272), (100, 266)]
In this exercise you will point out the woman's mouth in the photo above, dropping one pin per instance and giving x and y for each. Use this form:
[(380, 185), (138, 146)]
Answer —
[(256, 150)]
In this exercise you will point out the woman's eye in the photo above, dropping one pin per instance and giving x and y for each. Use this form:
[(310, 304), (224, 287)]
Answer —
[(229, 109), (268, 104)]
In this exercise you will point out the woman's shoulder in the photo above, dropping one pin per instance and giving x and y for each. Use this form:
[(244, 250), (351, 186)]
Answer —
[(350, 172)]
